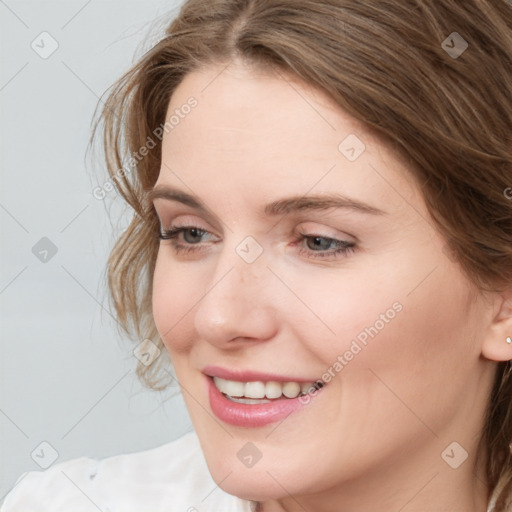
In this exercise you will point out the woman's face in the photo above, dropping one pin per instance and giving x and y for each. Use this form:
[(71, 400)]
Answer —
[(389, 322)]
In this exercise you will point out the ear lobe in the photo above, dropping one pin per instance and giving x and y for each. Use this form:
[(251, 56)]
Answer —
[(497, 345)]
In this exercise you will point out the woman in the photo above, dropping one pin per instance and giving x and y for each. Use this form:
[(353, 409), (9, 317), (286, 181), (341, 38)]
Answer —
[(322, 241)]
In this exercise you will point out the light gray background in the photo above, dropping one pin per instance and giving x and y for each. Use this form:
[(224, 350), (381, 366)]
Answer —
[(66, 376)]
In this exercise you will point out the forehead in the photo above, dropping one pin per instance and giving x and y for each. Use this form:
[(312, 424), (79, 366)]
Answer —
[(260, 130), (240, 99)]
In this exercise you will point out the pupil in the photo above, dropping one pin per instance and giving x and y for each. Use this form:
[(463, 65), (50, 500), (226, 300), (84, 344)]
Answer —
[(193, 232), (320, 242)]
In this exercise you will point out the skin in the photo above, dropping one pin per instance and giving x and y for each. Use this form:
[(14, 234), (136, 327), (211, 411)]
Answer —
[(373, 438)]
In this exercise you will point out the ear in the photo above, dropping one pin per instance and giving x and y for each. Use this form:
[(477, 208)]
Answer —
[(497, 345)]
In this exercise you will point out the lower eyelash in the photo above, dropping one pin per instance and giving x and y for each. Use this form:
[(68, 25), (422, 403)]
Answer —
[(344, 247), (172, 234)]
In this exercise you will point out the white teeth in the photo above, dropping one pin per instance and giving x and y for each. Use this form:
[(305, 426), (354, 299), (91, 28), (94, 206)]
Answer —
[(291, 389), (307, 387), (229, 387), (256, 391), (273, 389), (248, 400)]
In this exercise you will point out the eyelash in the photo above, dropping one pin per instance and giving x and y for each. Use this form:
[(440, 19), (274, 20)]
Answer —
[(172, 233)]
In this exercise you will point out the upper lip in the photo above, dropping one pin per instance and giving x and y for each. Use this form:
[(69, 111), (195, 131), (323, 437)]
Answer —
[(250, 375)]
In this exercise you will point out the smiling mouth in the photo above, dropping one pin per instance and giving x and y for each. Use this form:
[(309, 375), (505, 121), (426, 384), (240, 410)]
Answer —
[(260, 392)]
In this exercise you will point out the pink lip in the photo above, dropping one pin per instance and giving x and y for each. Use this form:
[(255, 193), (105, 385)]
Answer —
[(249, 375), (250, 415)]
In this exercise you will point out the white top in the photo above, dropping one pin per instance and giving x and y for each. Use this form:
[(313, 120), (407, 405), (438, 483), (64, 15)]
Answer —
[(147, 481), (151, 480)]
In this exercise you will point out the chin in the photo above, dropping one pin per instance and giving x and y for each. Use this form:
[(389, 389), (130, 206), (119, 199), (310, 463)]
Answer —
[(266, 480), (253, 486)]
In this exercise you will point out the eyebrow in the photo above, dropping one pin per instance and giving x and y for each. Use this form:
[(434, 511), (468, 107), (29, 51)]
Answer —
[(280, 207)]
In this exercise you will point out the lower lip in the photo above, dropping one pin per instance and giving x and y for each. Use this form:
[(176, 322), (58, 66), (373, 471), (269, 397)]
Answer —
[(252, 415)]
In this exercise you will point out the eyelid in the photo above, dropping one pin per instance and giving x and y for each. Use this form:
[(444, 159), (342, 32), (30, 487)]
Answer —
[(302, 229), (311, 229), (184, 221), (344, 247), (171, 211)]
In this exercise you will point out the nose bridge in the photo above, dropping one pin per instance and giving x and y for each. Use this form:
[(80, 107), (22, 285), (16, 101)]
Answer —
[(237, 284), (243, 266), (237, 303), (243, 262)]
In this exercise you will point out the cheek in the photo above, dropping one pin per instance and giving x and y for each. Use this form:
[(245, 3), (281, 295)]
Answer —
[(342, 312), (424, 351), (386, 324), (174, 293)]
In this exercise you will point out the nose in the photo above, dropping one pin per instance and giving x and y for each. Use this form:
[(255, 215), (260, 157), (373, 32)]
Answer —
[(238, 306)]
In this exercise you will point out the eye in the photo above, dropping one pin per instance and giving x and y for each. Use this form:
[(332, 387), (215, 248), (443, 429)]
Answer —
[(191, 235), (195, 234), (317, 246)]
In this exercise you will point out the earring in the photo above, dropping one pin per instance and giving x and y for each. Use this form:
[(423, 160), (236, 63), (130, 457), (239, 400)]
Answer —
[(509, 340)]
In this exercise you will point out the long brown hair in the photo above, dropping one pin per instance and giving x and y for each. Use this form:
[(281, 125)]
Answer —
[(432, 77)]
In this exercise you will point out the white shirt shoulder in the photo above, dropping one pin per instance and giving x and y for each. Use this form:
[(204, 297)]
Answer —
[(170, 478)]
